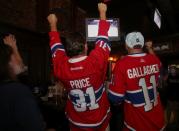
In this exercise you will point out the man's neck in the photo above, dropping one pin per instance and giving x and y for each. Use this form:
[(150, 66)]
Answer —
[(78, 56), (135, 51)]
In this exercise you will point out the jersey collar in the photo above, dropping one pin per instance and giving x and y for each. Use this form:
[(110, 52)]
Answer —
[(137, 54), (74, 60)]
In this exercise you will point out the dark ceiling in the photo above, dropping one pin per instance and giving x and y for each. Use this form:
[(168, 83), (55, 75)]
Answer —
[(138, 15)]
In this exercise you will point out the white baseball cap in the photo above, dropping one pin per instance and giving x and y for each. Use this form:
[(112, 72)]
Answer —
[(134, 38)]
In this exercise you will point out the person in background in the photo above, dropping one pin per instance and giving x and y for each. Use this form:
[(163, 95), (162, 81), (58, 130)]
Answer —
[(19, 111), (83, 76), (173, 83), (149, 47), (172, 91), (20, 68), (134, 81)]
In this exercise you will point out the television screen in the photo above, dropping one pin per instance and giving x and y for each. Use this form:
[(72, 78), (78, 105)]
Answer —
[(92, 29), (157, 18)]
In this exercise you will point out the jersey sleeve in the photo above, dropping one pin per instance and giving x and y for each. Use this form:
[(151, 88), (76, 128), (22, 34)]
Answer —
[(116, 92), (57, 50), (102, 45)]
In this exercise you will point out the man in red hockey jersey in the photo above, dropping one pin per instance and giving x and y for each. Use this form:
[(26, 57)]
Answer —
[(83, 76), (135, 80)]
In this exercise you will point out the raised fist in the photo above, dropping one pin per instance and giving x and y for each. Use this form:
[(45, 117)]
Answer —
[(52, 19), (102, 7)]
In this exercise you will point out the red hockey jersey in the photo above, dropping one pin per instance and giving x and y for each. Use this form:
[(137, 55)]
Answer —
[(83, 78), (135, 79)]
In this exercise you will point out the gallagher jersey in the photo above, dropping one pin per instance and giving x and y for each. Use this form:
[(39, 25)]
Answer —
[(83, 78), (135, 79)]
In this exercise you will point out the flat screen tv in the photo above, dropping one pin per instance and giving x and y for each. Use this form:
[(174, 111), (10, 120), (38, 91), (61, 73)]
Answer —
[(157, 18), (92, 29)]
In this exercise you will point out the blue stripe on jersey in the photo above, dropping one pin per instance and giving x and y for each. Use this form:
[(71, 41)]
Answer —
[(98, 95), (102, 39), (99, 92), (57, 46), (138, 97), (105, 40), (115, 97)]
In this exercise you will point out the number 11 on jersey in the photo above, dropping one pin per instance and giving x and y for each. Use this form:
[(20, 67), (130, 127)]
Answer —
[(142, 83)]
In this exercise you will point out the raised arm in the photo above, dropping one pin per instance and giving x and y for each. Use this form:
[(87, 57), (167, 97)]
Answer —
[(102, 45), (57, 48), (11, 41), (103, 24), (149, 47)]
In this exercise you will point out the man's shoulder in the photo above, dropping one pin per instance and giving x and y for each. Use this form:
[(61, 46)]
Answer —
[(14, 86), (153, 57), (123, 60)]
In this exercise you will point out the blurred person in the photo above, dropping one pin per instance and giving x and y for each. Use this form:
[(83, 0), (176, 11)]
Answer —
[(172, 91), (19, 111), (149, 47), (134, 81), (83, 76), (19, 67), (173, 83)]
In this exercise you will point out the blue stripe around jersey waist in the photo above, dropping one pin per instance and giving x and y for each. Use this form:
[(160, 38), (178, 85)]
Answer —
[(138, 97)]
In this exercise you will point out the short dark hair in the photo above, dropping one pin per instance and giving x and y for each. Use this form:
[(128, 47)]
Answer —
[(5, 57), (75, 44)]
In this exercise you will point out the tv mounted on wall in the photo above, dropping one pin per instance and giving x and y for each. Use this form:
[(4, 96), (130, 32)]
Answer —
[(92, 29)]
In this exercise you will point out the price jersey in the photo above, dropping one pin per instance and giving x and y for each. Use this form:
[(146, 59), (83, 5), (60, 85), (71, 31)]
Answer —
[(135, 79), (83, 78)]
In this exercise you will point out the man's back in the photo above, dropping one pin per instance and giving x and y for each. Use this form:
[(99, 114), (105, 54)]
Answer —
[(83, 77), (87, 97), (137, 77)]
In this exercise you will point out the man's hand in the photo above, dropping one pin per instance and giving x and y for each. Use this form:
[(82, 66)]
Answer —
[(52, 19), (17, 62), (149, 47), (102, 8), (148, 44), (11, 41)]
